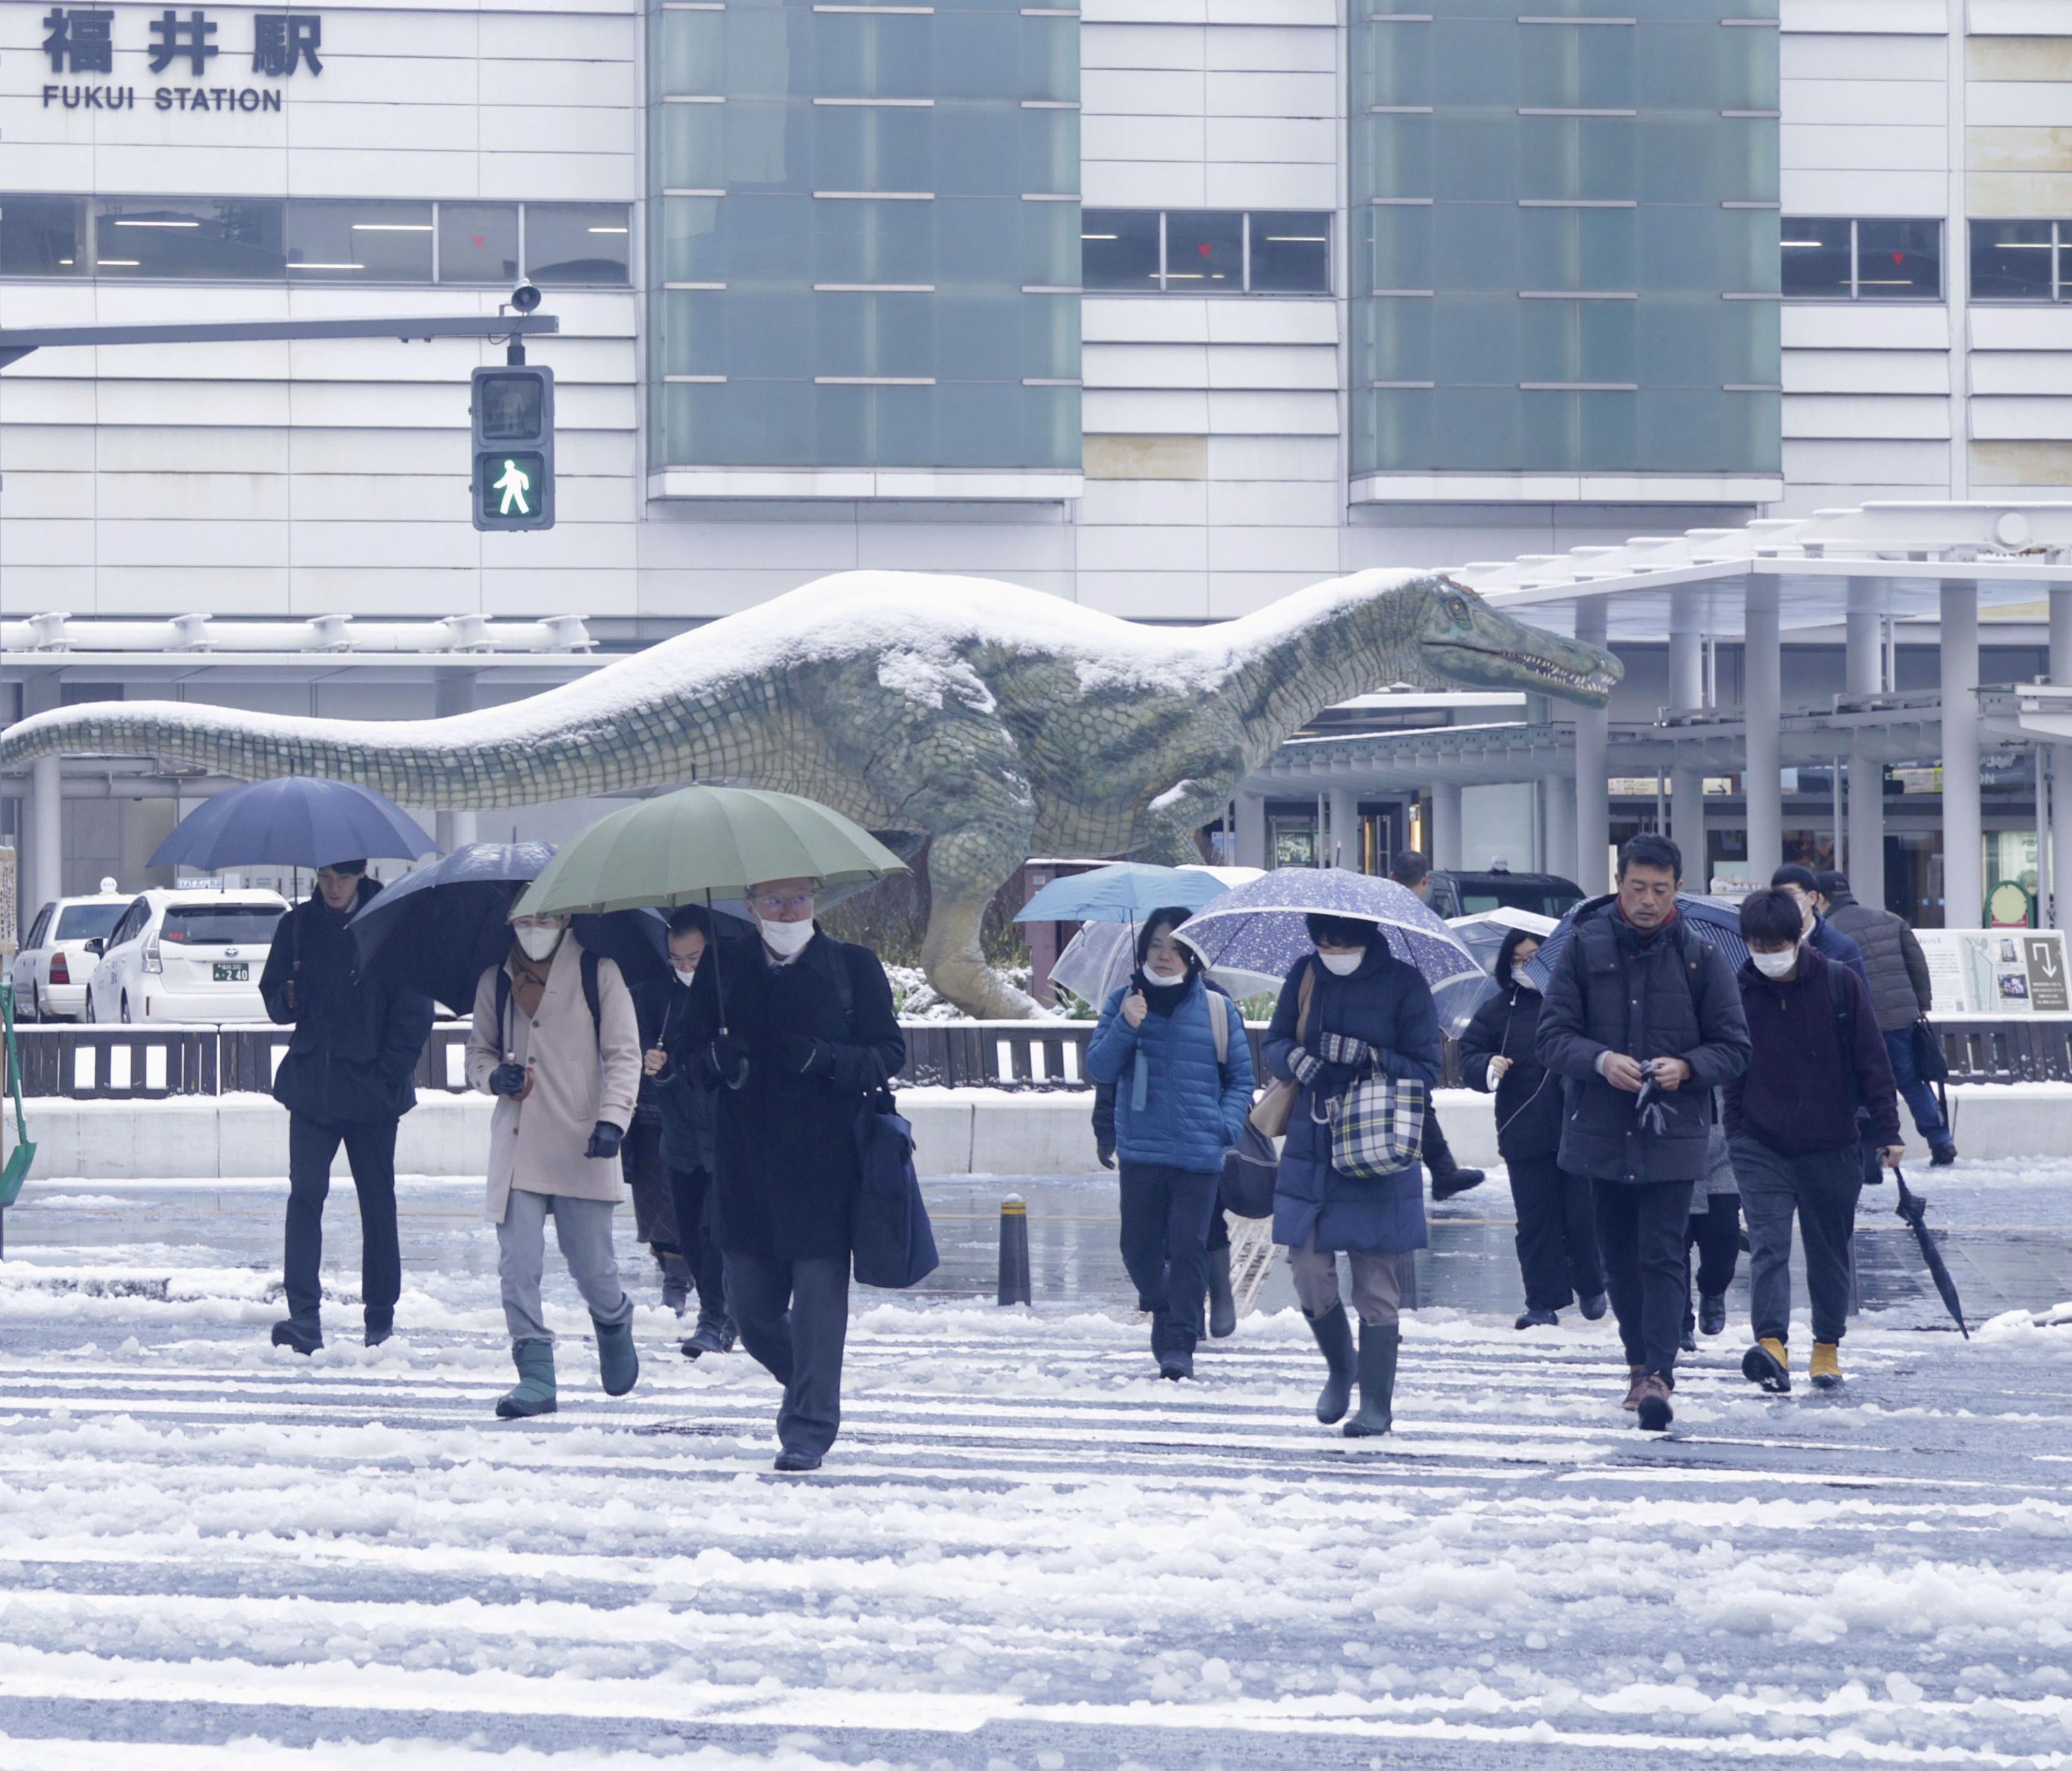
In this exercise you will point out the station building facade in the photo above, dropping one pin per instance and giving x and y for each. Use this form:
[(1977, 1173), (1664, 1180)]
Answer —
[(1166, 307)]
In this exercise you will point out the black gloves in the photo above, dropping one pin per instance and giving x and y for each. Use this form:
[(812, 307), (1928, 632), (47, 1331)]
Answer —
[(729, 1058), (1106, 1152), (1335, 1078), (507, 1080), (604, 1140), (804, 1056)]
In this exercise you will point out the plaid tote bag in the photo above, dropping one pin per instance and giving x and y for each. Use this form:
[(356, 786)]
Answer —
[(1377, 1125)]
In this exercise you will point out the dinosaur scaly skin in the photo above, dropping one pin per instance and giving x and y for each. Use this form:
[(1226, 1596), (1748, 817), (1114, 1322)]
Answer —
[(996, 722)]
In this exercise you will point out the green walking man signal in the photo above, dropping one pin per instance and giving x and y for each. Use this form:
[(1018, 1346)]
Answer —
[(511, 486)]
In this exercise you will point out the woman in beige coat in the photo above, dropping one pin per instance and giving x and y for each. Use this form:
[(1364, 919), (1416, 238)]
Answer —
[(555, 1040)]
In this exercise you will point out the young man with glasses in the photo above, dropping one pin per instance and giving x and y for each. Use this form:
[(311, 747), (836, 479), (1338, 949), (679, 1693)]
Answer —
[(791, 1033)]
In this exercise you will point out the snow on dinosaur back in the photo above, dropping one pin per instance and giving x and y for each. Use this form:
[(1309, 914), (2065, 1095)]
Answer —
[(993, 720)]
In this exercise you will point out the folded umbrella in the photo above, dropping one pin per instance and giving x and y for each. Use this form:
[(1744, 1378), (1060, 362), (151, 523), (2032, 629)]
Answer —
[(1260, 930), (295, 821), (1127, 891), (1913, 1209)]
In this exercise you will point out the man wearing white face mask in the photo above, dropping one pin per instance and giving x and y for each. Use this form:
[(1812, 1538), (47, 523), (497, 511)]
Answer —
[(1816, 1056), (557, 1041), (791, 1033)]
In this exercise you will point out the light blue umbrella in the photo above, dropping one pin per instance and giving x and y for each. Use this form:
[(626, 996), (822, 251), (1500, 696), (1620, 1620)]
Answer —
[(1126, 892), (1261, 929)]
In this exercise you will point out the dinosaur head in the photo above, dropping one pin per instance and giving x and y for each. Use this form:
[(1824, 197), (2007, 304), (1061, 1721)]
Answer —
[(1463, 640)]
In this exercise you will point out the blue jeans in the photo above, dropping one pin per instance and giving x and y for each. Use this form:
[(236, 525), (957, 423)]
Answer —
[(1919, 1096)]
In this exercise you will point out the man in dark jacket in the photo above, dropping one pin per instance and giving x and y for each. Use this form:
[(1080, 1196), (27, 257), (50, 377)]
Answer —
[(1801, 884), (793, 1031), (349, 1074), (687, 1114), (1816, 1056), (1413, 871), (1643, 1022), (1902, 994)]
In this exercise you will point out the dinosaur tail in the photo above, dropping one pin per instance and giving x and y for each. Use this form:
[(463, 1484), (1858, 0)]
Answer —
[(473, 761)]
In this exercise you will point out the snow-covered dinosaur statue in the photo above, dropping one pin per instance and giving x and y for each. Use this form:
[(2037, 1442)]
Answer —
[(993, 720)]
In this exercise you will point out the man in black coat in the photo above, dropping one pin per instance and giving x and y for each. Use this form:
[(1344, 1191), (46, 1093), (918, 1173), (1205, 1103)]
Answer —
[(793, 1033), (1643, 1022), (349, 1075), (688, 1116)]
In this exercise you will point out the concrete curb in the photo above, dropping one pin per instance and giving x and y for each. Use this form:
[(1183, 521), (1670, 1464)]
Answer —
[(957, 1132)]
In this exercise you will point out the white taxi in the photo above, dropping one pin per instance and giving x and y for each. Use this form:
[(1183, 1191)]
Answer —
[(186, 955)]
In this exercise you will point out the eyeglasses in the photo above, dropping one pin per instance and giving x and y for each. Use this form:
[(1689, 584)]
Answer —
[(772, 905)]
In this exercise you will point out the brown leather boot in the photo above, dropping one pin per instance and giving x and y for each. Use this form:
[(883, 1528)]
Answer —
[(1639, 1375), (1653, 1404)]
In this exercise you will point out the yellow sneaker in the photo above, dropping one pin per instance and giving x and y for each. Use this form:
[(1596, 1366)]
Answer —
[(1769, 1363), (1826, 1370)]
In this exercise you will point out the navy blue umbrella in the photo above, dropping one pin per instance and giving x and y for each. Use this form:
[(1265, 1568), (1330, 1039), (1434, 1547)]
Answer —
[(1260, 930), (295, 821), (1715, 922)]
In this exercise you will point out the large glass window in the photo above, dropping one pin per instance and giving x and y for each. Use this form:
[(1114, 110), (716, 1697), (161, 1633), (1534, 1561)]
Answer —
[(362, 242), (1207, 252), (478, 242), (206, 239), (2011, 260), (42, 236), (577, 243), (1874, 258)]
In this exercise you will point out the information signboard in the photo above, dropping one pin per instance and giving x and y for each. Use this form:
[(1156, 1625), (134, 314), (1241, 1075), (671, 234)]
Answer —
[(1997, 972)]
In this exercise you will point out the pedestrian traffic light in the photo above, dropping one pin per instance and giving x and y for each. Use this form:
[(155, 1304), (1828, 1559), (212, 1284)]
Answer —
[(511, 486)]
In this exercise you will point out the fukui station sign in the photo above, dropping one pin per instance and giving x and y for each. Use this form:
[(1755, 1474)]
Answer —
[(211, 59)]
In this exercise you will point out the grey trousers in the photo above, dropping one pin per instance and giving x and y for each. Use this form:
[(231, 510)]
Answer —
[(583, 1228), (1377, 1283), (794, 1321)]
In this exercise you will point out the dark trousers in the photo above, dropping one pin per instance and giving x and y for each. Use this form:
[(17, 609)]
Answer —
[(1919, 1096), (1715, 1232), (1821, 1187), (1438, 1154), (1165, 1215), (690, 1191), (1640, 1227), (794, 1319), (370, 1147), (647, 1180), (1557, 1233)]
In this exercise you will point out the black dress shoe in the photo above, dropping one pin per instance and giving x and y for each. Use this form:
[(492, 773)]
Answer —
[(1538, 1319), (1594, 1306), (794, 1461), (292, 1333), (1712, 1313)]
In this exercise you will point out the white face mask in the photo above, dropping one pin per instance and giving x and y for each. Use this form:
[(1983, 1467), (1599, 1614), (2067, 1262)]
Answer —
[(685, 974), (538, 944), (1342, 965), (786, 939), (1179, 977), (1775, 965)]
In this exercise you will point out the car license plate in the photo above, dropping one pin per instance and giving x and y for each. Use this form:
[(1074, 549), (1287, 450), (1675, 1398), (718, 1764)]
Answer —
[(231, 973)]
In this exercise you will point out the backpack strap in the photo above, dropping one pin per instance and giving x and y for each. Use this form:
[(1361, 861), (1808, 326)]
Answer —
[(1219, 1008)]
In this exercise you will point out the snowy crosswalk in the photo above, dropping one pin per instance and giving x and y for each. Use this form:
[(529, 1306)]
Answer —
[(1027, 1550)]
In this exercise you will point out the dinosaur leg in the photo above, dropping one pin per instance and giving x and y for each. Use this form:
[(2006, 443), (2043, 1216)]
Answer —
[(966, 866)]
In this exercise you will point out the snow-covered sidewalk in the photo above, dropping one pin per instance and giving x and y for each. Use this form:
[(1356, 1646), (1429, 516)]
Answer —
[(1024, 1551)]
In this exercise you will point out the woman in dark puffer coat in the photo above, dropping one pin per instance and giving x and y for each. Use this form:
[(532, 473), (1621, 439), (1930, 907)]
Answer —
[(1557, 1232), (1370, 1015)]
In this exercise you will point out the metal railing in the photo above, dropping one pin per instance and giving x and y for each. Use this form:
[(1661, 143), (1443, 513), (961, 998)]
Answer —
[(101, 1062)]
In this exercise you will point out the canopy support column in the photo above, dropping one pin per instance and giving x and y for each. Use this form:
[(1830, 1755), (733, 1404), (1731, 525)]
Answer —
[(2060, 766), (1250, 830), (455, 694), (1864, 675), (1447, 848), (1346, 849), (43, 877), (1558, 793), (1594, 805), (1687, 692), (1762, 709), (1963, 826)]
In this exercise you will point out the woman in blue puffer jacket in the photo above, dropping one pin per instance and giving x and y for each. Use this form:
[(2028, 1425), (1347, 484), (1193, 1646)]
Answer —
[(1369, 1015), (1178, 1109)]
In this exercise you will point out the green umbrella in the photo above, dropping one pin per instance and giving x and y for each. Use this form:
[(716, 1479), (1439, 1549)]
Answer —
[(699, 844)]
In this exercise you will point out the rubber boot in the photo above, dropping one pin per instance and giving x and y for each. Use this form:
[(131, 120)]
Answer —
[(1378, 1345), (1334, 1336), (1222, 1306), (534, 1392), (617, 1363), (1769, 1363), (1826, 1370)]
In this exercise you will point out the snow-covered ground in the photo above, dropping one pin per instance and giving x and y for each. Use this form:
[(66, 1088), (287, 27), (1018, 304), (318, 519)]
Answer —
[(1024, 1551)]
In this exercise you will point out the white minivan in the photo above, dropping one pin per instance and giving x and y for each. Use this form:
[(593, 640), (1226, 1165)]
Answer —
[(186, 955), (49, 974)]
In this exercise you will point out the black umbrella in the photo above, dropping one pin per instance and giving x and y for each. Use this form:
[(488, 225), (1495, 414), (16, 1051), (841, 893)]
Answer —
[(1913, 1208)]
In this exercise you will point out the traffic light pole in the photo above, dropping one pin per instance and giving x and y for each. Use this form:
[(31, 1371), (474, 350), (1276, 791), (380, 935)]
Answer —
[(17, 342)]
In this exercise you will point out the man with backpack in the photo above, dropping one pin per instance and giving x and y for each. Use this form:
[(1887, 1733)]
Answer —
[(1643, 1020), (793, 1033), (1816, 1056), (556, 1040)]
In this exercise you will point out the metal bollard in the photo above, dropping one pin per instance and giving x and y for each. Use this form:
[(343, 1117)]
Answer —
[(1014, 1251)]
